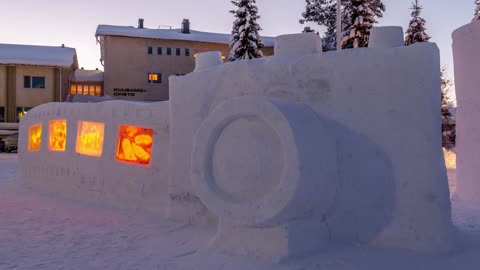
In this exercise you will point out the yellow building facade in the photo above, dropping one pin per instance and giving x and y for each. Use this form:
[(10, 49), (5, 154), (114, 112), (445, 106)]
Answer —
[(138, 61), (31, 76)]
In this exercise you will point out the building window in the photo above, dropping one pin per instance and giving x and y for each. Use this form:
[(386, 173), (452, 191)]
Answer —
[(159, 50), (154, 77), (2, 114), (85, 89), (177, 51), (150, 50), (34, 82), (187, 52), (169, 51)]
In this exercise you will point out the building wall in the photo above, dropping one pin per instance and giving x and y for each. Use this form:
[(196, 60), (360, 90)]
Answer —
[(127, 64), (3, 93), (31, 97), (3, 86)]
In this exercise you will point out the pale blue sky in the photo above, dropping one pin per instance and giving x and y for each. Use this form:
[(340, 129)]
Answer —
[(53, 22)]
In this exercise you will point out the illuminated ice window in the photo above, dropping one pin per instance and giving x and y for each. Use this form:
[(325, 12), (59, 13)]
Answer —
[(58, 135), (35, 137), (134, 144), (90, 136)]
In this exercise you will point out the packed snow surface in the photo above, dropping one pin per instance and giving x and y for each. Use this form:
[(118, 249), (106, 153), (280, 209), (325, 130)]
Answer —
[(172, 34), (13, 54), (43, 231)]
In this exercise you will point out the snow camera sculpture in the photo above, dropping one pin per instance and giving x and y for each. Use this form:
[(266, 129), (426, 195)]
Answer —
[(466, 41), (305, 149), (290, 154)]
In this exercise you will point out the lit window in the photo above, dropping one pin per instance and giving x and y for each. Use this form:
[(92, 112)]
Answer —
[(150, 50), (169, 51), (159, 50), (134, 144), (35, 137), (187, 52), (58, 135), (154, 77), (177, 51), (80, 89), (98, 90), (90, 137)]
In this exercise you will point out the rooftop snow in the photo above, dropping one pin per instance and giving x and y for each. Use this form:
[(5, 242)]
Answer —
[(13, 54), (81, 75), (172, 34)]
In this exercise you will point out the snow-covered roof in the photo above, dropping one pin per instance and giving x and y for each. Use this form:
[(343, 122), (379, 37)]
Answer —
[(81, 75), (171, 34), (13, 54)]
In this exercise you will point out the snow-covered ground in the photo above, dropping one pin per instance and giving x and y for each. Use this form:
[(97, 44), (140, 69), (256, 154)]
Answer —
[(41, 231)]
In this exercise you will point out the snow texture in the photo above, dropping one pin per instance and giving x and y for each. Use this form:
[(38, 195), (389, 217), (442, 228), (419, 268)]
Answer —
[(386, 37), (13, 54), (291, 45), (208, 59), (170, 34), (42, 231), (81, 75), (466, 42)]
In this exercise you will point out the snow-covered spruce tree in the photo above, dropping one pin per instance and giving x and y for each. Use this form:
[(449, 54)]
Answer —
[(358, 18), (416, 28), (448, 121), (324, 13), (245, 41), (477, 11)]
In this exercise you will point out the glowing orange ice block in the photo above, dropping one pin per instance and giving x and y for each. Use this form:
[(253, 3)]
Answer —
[(90, 136), (58, 135), (35, 137), (134, 144)]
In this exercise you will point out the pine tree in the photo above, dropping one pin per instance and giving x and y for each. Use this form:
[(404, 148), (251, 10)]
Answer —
[(324, 13), (477, 11), (245, 41), (416, 29), (358, 18), (448, 122)]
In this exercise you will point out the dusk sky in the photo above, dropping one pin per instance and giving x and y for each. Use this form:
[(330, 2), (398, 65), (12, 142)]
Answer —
[(53, 22)]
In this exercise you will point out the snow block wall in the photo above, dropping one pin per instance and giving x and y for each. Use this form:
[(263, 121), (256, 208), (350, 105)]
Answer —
[(466, 44), (84, 164), (377, 125)]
